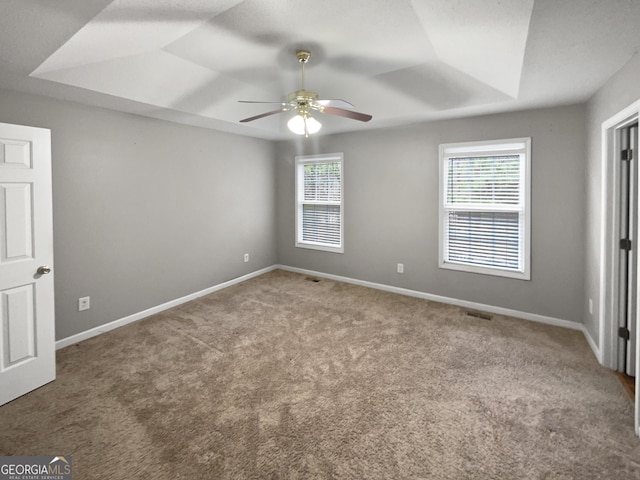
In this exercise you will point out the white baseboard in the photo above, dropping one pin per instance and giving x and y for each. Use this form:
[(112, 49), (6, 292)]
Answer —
[(387, 288), (534, 317), (78, 337), (594, 346), (437, 298)]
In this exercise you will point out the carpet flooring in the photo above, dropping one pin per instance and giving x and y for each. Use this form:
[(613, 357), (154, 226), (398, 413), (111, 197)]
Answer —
[(280, 377)]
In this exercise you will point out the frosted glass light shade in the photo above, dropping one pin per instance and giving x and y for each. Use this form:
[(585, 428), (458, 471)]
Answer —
[(296, 125), (304, 125), (313, 125)]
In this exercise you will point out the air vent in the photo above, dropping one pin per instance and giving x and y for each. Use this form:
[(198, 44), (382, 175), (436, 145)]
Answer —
[(479, 315), (311, 279)]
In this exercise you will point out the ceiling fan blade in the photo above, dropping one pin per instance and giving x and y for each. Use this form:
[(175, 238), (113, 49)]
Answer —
[(337, 102), (363, 117), (257, 101), (251, 119)]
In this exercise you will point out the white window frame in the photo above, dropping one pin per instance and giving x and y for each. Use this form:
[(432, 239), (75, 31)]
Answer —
[(300, 162), (513, 146)]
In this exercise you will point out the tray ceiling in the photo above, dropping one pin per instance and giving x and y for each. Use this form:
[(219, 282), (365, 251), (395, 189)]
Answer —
[(402, 61)]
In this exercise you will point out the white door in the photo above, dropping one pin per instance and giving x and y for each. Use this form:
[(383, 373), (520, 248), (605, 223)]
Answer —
[(27, 329)]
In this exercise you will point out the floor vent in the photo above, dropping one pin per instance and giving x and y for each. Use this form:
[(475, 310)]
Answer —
[(311, 279), (479, 315)]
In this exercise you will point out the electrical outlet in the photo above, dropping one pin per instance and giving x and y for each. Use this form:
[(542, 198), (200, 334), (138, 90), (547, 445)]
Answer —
[(400, 268), (590, 307), (84, 303), (246, 257)]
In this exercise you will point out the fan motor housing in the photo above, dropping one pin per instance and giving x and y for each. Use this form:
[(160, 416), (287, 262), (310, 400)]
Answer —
[(303, 96), (302, 99)]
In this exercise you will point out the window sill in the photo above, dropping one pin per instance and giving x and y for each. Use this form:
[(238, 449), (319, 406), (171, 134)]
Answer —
[(493, 271), (324, 248)]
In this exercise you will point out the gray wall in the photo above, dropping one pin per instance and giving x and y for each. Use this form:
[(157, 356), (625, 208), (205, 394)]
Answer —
[(391, 209), (147, 211), (618, 93)]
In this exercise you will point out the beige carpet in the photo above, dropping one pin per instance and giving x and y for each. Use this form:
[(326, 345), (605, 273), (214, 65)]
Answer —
[(283, 378)]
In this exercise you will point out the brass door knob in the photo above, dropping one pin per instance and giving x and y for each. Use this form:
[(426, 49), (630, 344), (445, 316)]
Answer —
[(44, 269)]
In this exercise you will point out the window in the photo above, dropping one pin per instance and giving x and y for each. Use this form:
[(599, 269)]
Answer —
[(485, 207), (319, 207)]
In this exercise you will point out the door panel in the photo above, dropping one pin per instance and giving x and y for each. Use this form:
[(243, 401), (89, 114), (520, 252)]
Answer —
[(19, 324), (17, 222), (15, 153), (27, 327)]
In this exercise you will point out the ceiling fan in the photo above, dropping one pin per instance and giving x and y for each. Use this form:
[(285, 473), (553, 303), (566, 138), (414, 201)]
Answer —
[(303, 102)]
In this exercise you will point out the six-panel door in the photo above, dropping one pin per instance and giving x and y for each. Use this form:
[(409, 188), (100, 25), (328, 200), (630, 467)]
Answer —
[(27, 329)]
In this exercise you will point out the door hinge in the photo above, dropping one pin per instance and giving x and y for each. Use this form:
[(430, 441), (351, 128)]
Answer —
[(626, 154), (625, 244), (623, 332)]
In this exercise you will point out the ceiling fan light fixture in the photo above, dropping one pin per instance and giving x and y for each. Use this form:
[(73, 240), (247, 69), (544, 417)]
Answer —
[(304, 125), (303, 101)]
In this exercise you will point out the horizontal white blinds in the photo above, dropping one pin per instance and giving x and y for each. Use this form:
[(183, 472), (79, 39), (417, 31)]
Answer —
[(484, 180), (484, 238), (322, 182), (321, 224), (484, 209), (320, 203)]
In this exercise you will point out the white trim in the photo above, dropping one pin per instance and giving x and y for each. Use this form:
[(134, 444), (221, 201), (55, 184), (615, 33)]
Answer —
[(487, 147), (604, 249), (78, 337), (608, 288), (608, 222), (592, 343), (451, 301), (513, 146), (301, 160), (378, 286)]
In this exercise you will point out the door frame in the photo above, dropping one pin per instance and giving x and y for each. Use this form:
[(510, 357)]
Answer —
[(608, 344)]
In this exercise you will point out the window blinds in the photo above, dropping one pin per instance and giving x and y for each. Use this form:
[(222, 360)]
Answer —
[(484, 238), (320, 203), (491, 180), (484, 208), (321, 224)]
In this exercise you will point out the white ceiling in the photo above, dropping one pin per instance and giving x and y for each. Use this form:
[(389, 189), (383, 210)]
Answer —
[(402, 61)]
